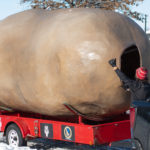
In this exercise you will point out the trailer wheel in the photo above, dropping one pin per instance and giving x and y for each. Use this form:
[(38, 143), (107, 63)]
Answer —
[(138, 145), (14, 136)]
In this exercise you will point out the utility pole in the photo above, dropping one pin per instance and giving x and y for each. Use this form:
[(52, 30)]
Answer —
[(145, 22)]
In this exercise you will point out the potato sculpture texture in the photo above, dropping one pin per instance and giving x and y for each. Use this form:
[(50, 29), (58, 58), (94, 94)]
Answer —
[(48, 58)]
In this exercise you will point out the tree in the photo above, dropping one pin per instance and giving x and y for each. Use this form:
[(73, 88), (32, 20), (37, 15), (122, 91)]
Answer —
[(123, 6)]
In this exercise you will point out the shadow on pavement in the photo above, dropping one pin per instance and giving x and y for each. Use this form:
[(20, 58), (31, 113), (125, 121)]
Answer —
[(46, 144)]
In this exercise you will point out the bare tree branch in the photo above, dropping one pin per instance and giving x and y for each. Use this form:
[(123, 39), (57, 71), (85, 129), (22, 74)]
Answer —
[(123, 6)]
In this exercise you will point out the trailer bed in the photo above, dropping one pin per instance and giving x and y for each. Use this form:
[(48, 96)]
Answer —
[(39, 126)]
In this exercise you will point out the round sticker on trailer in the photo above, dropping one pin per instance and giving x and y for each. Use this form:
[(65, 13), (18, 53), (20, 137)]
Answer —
[(68, 132)]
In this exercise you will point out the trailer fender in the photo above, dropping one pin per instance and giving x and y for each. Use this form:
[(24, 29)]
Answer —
[(22, 126)]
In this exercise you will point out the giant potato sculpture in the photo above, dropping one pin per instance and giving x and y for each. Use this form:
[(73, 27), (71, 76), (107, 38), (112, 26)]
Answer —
[(51, 58)]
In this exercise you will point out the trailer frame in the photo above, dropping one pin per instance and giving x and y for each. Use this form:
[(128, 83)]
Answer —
[(71, 129)]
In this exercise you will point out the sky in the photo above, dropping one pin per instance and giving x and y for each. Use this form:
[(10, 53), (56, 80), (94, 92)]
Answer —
[(9, 7)]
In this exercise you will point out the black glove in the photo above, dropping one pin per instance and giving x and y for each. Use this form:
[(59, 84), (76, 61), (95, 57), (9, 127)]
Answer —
[(112, 62)]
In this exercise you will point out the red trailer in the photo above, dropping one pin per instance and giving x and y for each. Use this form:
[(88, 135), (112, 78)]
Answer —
[(18, 127)]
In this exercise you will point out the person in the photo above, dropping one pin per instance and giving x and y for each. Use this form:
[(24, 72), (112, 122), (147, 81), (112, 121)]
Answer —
[(139, 88)]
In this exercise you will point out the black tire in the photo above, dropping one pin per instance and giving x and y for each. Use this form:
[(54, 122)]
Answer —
[(138, 145), (14, 136)]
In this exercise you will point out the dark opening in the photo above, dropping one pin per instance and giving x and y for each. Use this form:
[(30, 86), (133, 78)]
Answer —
[(130, 61)]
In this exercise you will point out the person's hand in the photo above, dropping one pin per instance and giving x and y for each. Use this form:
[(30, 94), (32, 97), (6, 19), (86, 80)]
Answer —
[(112, 62)]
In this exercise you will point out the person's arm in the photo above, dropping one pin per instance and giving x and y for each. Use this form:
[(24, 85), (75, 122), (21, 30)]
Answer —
[(127, 81)]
